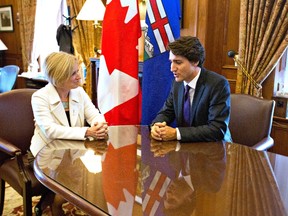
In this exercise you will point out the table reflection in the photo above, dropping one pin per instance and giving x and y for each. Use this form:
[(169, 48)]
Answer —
[(132, 174), (176, 178), (119, 170)]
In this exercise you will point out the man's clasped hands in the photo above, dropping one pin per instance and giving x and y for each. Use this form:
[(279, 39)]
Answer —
[(160, 131)]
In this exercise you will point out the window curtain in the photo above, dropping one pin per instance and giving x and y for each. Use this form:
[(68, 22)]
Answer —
[(263, 40), (83, 40), (27, 10), (49, 15)]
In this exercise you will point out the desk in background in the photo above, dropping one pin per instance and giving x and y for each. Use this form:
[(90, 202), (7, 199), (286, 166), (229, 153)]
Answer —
[(29, 81), (220, 178), (23, 82)]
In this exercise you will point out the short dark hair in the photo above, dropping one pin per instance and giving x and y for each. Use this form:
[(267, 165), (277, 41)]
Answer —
[(188, 47)]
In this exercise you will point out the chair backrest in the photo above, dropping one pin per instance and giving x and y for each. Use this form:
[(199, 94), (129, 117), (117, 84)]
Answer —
[(16, 117), (251, 118), (8, 76)]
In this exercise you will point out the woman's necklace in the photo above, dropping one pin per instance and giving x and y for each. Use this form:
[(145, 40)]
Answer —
[(65, 104)]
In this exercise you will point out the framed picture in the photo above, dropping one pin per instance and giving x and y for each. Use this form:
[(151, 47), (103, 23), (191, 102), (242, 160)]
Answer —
[(6, 18)]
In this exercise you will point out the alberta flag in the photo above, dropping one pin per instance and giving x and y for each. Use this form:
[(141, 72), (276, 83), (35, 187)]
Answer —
[(163, 20), (119, 95)]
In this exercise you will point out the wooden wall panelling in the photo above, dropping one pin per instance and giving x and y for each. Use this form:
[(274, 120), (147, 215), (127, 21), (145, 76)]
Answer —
[(280, 135), (190, 20), (222, 35), (203, 21), (195, 19), (231, 30), (12, 39), (14, 59), (230, 72), (215, 35), (230, 41)]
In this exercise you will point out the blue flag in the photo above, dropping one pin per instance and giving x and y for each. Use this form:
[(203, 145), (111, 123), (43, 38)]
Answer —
[(163, 20)]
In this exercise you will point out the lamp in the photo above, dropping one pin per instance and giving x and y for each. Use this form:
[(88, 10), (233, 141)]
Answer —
[(2, 48), (92, 10)]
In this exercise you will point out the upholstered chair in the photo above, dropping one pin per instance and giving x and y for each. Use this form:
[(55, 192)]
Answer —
[(251, 121), (16, 130), (8, 76)]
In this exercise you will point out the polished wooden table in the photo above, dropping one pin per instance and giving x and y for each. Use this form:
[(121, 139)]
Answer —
[(131, 174)]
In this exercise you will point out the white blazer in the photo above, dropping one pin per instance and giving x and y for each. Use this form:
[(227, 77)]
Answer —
[(51, 121)]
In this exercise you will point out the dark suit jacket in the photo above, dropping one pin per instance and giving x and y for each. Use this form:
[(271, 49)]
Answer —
[(206, 164), (210, 109)]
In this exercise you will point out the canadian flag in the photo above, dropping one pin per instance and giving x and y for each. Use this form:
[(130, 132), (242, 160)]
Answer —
[(119, 94), (119, 170)]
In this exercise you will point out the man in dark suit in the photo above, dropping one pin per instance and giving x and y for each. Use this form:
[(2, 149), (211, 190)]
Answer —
[(209, 98)]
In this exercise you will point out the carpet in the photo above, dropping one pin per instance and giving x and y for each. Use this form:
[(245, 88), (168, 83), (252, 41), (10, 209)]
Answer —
[(13, 205)]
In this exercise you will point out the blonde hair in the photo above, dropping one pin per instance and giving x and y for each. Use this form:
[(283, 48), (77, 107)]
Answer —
[(59, 67)]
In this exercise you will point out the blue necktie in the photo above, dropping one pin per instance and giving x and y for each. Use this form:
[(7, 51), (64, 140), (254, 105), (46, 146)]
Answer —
[(186, 107)]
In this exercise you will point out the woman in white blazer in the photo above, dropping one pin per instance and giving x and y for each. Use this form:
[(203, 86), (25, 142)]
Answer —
[(62, 108)]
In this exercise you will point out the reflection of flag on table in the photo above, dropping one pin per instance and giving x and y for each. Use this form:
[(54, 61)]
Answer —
[(163, 27), (156, 176), (118, 86), (155, 193), (119, 172)]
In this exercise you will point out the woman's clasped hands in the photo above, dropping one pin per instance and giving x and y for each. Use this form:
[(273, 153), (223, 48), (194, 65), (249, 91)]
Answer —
[(98, 131)]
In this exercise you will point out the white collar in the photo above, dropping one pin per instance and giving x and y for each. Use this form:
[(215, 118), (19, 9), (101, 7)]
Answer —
[(193, 82)]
